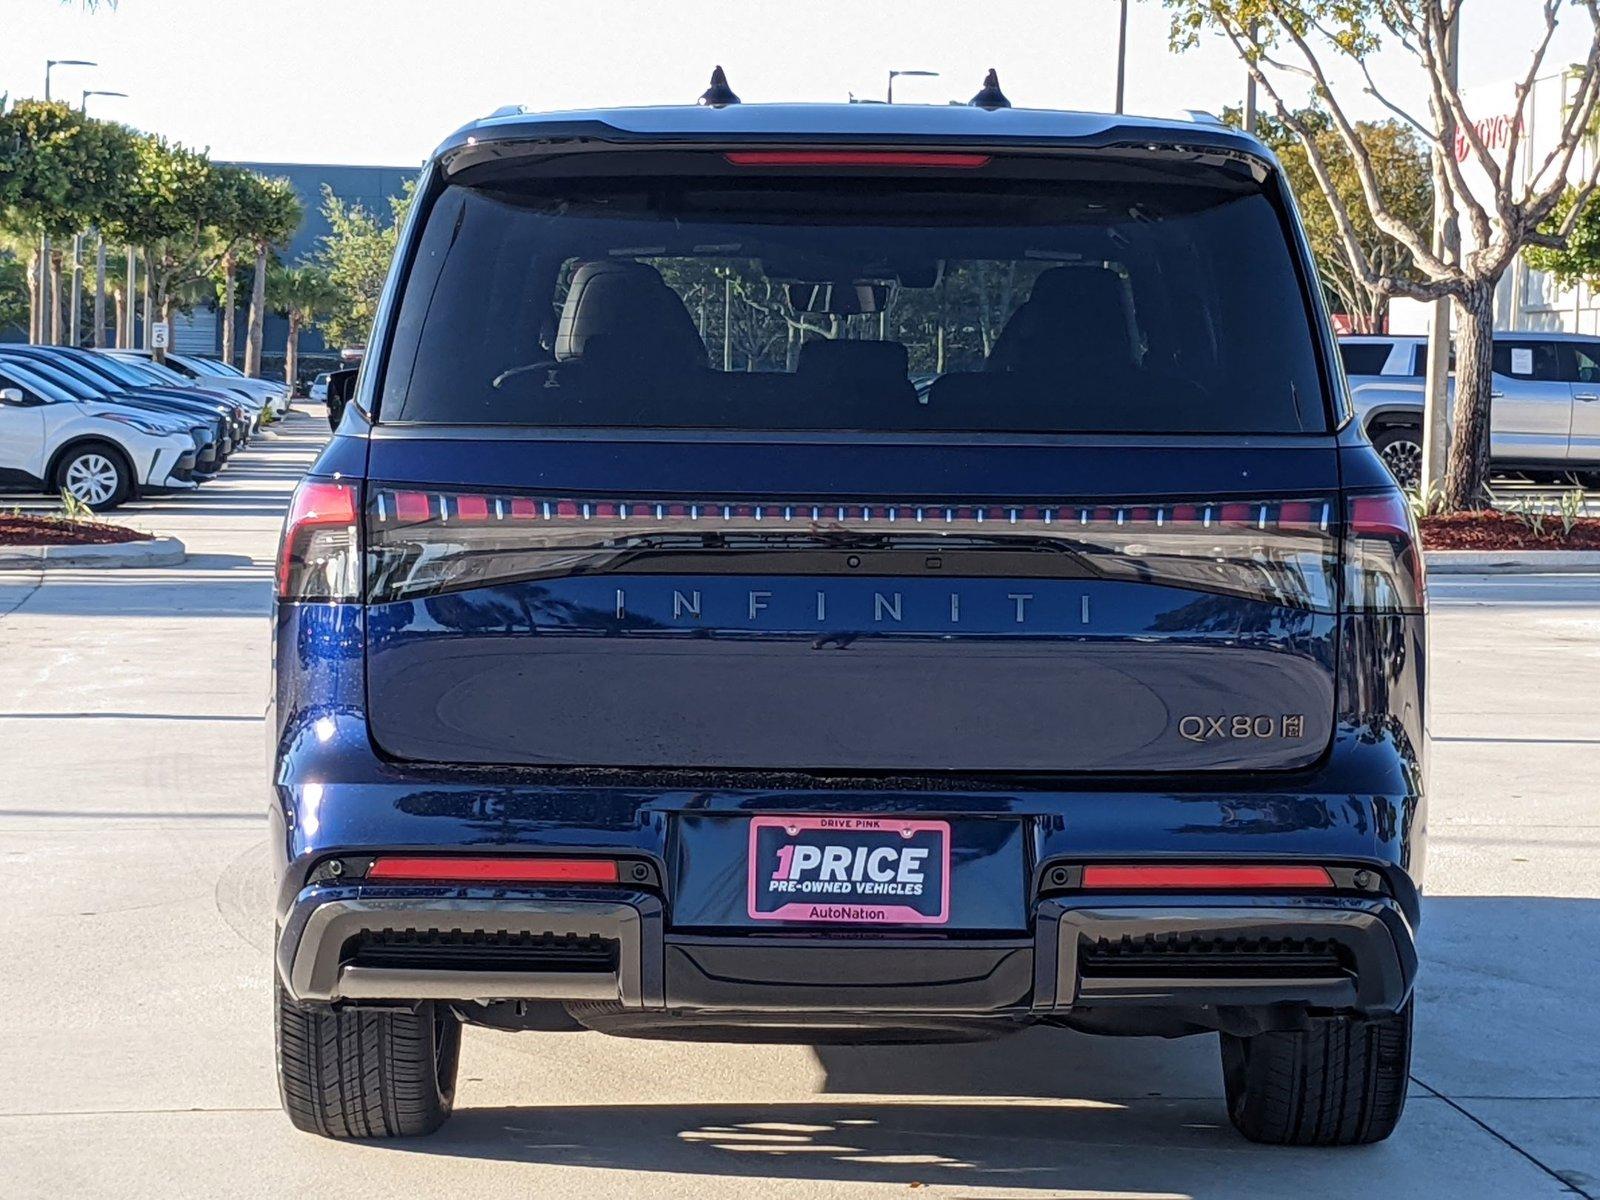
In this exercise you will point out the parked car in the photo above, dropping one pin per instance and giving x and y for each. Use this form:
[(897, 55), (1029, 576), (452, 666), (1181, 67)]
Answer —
[(617, 690), (99, 453), (213, 445), (319, 387), (93, 377), (136, 365), (213, 373), (1545, 414)]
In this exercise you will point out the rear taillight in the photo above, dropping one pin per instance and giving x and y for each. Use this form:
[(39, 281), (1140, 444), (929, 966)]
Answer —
[(422, 543), (1383, 569), (319, 557), (1182, 877), (449, 869)]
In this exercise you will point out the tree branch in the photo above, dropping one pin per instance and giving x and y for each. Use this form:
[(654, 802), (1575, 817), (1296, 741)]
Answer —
[(1362, 159), (1524, 89), (1389, 284)]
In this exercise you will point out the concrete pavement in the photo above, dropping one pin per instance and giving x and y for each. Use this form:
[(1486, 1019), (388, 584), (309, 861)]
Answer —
[(136, 1059)]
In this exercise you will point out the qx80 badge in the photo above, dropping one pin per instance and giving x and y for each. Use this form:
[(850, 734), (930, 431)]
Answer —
[(1239, 726)]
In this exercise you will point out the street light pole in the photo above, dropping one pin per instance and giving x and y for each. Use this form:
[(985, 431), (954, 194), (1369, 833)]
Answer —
[(1122, 54), (893, 75), (1250, 89)]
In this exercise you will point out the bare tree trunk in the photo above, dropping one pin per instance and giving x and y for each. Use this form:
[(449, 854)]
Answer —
[(53, 333), (164, 307), (46, 296), (227, 308), (258, 314), (149, 309), (291, 352), (1466, 478), (119, 308), (35, 298), (130, 299)]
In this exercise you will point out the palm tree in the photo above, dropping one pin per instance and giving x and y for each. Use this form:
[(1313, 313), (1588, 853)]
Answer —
[(302, 294), (271, 210)]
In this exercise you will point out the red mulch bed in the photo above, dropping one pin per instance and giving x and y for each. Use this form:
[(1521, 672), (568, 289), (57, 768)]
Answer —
[(53, 531), (1503, 531)]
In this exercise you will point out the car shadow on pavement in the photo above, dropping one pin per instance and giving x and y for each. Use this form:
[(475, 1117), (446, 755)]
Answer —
[(1057, 1111), (1030, 1143)]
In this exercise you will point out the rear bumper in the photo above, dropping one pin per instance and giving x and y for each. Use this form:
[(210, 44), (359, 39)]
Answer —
[(1057, 972)]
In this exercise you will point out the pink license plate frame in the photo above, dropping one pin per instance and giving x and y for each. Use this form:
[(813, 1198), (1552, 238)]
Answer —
[(849, 912)]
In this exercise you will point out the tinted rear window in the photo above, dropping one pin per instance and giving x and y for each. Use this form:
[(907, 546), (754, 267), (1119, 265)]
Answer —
[(1071, 305)]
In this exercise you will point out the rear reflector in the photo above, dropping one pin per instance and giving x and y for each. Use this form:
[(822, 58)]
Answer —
[(854, 158), (1204, 878), (447, 869)]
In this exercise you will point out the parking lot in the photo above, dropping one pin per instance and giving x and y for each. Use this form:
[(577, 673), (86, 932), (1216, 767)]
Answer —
[(138, 1055)]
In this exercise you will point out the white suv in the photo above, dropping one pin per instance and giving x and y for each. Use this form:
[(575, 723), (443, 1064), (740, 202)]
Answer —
[(101, 454)]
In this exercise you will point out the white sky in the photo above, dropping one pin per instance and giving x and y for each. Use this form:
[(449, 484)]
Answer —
[(382, 81)]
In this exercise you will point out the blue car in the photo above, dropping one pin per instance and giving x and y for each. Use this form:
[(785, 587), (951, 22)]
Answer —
[(654, 656)]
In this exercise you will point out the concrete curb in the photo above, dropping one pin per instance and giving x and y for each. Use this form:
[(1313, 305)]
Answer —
[(1513, 562), (159, 552)]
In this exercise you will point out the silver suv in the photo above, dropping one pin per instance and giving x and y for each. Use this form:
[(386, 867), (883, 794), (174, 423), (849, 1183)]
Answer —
[(1546, 414)]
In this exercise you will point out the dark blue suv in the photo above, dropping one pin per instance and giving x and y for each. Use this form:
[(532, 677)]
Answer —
[(848, 574)]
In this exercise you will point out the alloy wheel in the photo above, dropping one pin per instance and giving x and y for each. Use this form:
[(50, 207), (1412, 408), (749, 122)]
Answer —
[(91, 478), (1404, 460)]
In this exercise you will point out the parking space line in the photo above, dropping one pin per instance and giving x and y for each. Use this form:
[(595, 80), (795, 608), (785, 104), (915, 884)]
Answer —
[(1506, 1141)]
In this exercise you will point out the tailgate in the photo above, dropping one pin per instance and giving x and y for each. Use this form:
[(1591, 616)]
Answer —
[(543, 616)]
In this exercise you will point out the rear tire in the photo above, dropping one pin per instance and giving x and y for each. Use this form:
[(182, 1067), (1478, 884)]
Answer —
[(1342, 1082), (366, 1073), (1400, 447)]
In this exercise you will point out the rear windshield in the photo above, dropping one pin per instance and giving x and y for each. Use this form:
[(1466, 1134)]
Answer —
[(1062, 306)]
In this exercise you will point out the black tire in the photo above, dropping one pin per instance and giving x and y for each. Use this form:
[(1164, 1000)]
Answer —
[(1400, 447), (366, 1073), (96, 473), (1340, 1083)]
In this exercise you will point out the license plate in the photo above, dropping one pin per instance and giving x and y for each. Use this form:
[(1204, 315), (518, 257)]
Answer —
[(850, 870)]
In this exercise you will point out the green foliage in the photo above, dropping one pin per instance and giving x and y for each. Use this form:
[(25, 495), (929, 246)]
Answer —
[(355, 254), (13, 292), (170, 201), (74, 509), (304, 293), (1355, 27), (60, 171), (267, 211), (1579, 262)]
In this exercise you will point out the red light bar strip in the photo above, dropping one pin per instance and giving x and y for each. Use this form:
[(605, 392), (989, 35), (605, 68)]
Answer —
[(1204, 878), (448, 869), (406, 507), (855, 158)]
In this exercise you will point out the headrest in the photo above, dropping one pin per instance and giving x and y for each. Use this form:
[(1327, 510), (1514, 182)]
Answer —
[(629, 307)]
